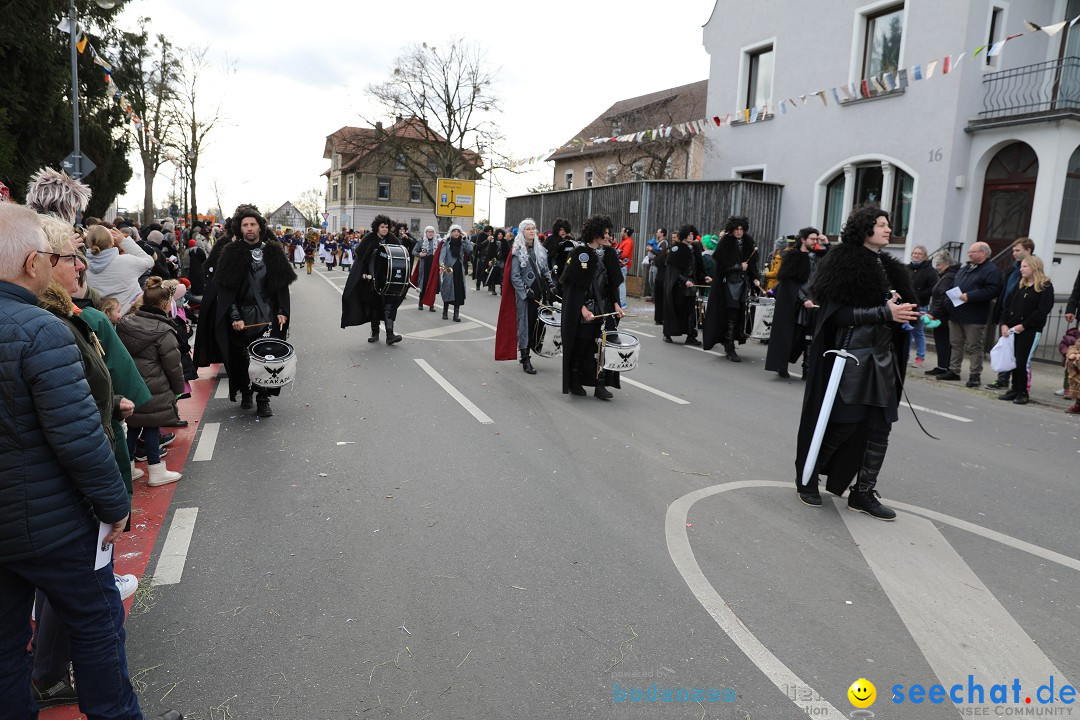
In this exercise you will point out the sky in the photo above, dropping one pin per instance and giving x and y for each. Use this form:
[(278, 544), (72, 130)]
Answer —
[(301, 70)]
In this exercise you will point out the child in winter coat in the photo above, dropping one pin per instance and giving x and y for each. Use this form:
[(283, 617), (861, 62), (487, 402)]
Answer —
[(150, 337)]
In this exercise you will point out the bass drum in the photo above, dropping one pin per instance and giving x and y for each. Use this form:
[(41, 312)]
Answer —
[(549, 332), (272, 363), (391, 270), (619, 351)]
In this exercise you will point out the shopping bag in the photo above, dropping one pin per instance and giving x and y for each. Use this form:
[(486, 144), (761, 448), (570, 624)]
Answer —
[(1003, 355)]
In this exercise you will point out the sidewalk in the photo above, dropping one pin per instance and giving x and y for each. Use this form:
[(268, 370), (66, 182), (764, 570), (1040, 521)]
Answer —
[(1045, 379)]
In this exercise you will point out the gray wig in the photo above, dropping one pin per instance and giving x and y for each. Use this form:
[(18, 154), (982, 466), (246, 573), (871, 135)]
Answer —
[(57, 193)]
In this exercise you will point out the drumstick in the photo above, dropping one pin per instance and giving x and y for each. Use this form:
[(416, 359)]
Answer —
[(246, 326)]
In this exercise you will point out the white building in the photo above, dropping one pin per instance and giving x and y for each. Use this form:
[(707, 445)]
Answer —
[(989, 151)]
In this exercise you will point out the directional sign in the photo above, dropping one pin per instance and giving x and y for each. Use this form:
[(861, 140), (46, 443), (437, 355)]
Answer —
[(68, 166), (454, 197)]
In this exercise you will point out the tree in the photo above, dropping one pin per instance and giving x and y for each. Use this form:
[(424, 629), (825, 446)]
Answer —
[(443, 101), (154, 68), (193, 123), (35, 113), (310, 204)]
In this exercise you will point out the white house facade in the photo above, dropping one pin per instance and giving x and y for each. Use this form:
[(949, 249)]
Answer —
[(989, 151)]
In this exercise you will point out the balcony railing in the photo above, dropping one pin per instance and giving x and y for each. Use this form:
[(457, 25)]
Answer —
[(1046, 88)]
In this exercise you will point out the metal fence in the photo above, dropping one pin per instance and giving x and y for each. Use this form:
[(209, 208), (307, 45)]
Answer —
[(1056, 325), (650, 204)]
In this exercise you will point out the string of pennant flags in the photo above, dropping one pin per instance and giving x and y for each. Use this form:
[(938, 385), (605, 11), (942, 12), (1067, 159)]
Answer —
[(82, 44), (868, 87)]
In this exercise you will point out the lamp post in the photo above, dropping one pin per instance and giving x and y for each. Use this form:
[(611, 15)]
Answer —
[(74, 37)]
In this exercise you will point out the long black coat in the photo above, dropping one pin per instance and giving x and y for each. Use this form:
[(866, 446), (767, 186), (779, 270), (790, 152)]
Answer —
[(681, 263), (794, 272), (850, 276), (575, 281), (729, 255), (360, 301)]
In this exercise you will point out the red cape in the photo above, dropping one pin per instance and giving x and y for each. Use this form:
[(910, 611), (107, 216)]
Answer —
[(432, 282), (506, 329)]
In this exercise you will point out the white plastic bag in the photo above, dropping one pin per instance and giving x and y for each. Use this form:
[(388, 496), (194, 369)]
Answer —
[(1003, 355)]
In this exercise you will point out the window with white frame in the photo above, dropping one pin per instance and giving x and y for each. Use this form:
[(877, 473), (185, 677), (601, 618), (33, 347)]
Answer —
[(414, 225), (568, 180), (384, 189), (995, 33), (759, 77), (588, 177), (349, 189), (883, 33), (637, 170), (334, 190), (612, 172), (875, 183), (416, 191)]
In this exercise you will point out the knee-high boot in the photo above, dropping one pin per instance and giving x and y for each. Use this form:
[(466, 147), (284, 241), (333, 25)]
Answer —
[(730, 336), (388, 314), (374, 330), (445, 310), (863, 497)]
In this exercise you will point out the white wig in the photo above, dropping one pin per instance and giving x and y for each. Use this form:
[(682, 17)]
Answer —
[(453, 228), (57, 193), (520, 248)]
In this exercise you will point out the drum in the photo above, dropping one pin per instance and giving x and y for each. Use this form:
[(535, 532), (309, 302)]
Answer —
[(619, 351), (763, 309), (272, 362), (549, 343), (392, 270)]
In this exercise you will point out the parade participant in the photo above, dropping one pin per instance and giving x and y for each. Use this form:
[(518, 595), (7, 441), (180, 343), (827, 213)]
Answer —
[(331, 253), (250, 288), (590, 286), (424, 252), (296, 252), (452, 268), (865, 296), (736, 272), (361, 300), (404, 238), (528, 274), (495, 260), (683, 271), (655, 245), (311, 247), (480, 243), (780, 247), (558, 244), (346, 254), (794, 311)]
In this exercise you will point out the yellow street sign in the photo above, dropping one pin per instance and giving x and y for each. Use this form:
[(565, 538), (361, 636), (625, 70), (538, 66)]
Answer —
[(454, 198)]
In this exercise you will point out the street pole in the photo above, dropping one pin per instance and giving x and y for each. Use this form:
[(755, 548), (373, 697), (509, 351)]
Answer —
[(77, 174)]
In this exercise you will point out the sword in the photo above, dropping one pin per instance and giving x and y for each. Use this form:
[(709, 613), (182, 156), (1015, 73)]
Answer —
[(842, 356)]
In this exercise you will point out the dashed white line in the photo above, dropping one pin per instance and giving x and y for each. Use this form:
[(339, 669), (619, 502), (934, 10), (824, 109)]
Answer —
[(207, 440), (170, 566), (654, 391), (222, 391), (454, 393), (442, 330), (920, 408)]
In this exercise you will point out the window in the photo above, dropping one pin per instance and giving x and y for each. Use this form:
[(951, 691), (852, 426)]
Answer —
[(414, 225), (834, 206), (637, 171), (612, 173), (997, 25), (903, 195), (875, 184), (1069, 224), (416, 191), (588, 177), (336, 163), (348, 189), (384, 189), (751, 174), (868, 183), (568, 180), (760, 77), (881, 44), (399, 162), (334, 190)]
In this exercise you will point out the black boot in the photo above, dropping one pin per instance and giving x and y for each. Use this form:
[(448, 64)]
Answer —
[(445, 310), (526, 362), (263, 410), (246, 402), (601, 392), (575, 384), (729, 345), (457, 313), (374, 331), (863, 497), (388, 316), (420, 304)]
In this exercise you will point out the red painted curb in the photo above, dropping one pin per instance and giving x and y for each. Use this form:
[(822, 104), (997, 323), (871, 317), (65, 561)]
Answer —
[(151, 505)]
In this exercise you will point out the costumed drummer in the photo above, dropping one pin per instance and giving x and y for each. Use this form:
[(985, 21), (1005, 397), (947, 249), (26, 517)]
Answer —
[(684, 271), (527, 273), (361, 300), (865, 297), (249, 294), (729, 297), (590, 281)]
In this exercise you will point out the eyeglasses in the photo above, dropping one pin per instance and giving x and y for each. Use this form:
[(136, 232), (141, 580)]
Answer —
[(55, 258)]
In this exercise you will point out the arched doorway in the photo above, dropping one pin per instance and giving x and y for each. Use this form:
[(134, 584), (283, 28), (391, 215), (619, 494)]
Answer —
[(1008, 193)]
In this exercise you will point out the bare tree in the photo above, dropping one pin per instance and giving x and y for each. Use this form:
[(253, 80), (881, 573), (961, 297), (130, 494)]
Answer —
[(310, 205), (194, 122), (154, 67), (443, 101)]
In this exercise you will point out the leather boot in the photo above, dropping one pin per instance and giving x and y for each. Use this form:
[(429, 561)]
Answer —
[(263, 410), (526, 362), (391, 338), (575, 384), (601, 392), (809, 493), (457, 313), (729, 346), (863, 497), (445, 310), (420, 304), (374, 332), (245, 400)]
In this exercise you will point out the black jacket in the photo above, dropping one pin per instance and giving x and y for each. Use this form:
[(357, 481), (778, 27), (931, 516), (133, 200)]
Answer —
[(982, 283), (923, 277), (940, 305), (1029, 308), (793, 274)]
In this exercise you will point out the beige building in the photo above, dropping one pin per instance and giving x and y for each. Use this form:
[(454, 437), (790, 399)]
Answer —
[(674, 157)]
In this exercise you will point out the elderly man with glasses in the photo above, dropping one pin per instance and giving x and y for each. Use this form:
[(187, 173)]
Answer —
[(979, 283)]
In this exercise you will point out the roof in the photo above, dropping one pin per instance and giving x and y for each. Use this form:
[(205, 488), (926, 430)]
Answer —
[(285, 210), (356, 143), (645, 112)]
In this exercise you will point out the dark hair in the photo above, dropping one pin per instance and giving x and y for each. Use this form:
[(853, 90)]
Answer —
[(246, 211), (687, 231), (381, 219), (663, 230), (488, 229), (500, 233), (1027, 243), (860, 224), (594, 227), (560, 224), (807, 232), (735, 221)]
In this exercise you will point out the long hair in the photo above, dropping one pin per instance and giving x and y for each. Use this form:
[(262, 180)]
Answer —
[(522, 251), (1038, 273), (246, 211), (155, 294)]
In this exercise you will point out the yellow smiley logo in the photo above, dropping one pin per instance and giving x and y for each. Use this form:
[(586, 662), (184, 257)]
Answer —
[(862, 693)]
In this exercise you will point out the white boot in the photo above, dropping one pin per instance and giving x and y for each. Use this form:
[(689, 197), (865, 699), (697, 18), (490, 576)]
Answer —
[(136, 473), (161, 475)]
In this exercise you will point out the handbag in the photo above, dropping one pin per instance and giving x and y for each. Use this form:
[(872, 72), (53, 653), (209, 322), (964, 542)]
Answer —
[(1003, 354)]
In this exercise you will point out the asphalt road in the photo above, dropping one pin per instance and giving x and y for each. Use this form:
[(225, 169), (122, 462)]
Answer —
[(376, 550)]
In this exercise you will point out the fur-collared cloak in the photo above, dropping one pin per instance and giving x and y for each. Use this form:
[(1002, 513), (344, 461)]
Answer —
[(682, 262), (730, 278), (360, 301), (793, 273), (851, 275), (576, 278)]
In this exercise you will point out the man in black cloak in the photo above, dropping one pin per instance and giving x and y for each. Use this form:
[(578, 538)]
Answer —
[(793, 314), (865, 297), (729, 298), (361, 301), (683, 271)]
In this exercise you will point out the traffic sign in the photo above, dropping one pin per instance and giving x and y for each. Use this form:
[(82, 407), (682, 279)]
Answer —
[(454, 197), (326, 216), (68, 166)]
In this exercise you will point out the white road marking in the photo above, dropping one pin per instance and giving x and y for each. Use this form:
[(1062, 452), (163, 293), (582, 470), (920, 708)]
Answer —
[(455, 393), (920, 408), (340, 290), (443, 330), (222, 391), (695, 347), (207, 442), (170, 566), (654, 391), (682, 555), (927, 582)]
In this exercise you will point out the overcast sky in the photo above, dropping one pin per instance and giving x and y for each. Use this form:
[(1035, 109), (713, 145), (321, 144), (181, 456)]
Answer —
[(301, 70)]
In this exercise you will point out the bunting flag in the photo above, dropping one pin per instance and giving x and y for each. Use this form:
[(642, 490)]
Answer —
[(995, 49), (916, 72), (824, 100), (978, 50), (930, 68), (80, 44), (836, 95), (746, 115), (877, 85), (783, 107), (753, 115), (1054, 29), (901, 78)]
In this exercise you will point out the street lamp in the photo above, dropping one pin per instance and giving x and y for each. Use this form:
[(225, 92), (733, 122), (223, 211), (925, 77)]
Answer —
[(77, 172)]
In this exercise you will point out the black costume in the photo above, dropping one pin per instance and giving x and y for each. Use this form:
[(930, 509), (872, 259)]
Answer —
[(851, 284), (792, 320), (479, 252), (590, 278), (361, 302), (498, 250), (729, 296), (682, 262), (558, 250)]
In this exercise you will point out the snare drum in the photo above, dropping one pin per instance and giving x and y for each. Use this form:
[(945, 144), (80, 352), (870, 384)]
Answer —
[(549, 332), (392, 270), (272, 363), (619, 351), (763, 308)]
